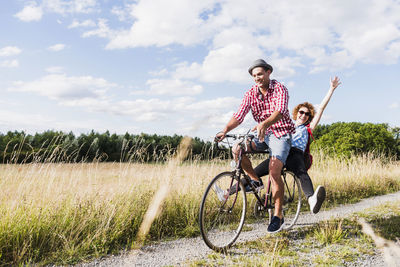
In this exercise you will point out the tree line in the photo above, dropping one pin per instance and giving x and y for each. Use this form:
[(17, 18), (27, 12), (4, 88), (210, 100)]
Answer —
[(57, 146), (347, 138), (339, 138)]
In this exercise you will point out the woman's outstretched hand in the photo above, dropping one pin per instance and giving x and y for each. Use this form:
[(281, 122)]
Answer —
[(335, 82)]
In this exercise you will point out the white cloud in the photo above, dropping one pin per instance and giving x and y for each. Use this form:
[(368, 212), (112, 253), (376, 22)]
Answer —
[(141, 109), (372, 45), (69, 90), (30, 12), (8, 119), (173, 87), (55, 69), (93, 103), (102, 30), (394, 50), (72, 6), (213, 105), (290, 84), (230, 63), (227, 63), (394, 105), (34, 12), (9, 51), (331, 36), (338, 60), (84, 6), (122, 13), (181, 24), (9, 63), (160, 72), (156, 109), (86, 23), (284, 66), (56, 47), (92, 95)]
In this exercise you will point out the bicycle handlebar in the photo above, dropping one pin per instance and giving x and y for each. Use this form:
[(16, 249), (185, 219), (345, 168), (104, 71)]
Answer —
[(241, 137)]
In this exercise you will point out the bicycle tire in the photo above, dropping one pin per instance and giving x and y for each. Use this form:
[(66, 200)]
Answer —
[(292, 199), (221, 221)]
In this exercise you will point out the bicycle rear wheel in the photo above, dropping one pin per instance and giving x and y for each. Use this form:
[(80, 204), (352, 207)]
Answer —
[(292, 199), (222, 215)]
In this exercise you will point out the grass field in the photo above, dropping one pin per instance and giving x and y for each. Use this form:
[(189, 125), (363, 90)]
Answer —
[(65, 213)]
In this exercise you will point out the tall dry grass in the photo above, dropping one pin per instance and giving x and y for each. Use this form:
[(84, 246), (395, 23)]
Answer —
[(63, 213), (350, 179)]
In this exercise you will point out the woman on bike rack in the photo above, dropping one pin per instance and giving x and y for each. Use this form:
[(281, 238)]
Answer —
[(305, 123)]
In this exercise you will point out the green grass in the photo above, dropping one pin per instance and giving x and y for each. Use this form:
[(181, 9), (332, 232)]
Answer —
[(75, 231), (69, 232), (329, 233), (67, 213), (300, 247), (385, 220), (388, 228)]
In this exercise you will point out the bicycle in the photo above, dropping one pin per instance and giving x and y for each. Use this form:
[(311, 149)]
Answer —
[(223, 206)]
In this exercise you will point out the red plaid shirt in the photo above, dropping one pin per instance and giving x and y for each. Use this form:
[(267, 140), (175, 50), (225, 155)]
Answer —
[(277, 98)]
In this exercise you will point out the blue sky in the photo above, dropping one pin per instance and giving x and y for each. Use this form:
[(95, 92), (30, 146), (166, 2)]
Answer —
[(180, 66)]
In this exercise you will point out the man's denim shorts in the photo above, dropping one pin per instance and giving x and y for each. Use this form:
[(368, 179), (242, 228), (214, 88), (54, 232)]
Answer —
[(278, 147)]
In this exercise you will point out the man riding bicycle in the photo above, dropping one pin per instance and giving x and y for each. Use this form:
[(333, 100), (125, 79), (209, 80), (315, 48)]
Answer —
[(268, 101)]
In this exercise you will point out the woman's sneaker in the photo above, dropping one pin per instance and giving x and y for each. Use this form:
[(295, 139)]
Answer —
[(317, 199), (275, 225)]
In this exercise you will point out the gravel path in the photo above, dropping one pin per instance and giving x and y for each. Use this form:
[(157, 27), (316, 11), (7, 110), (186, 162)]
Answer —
[(180, 251)]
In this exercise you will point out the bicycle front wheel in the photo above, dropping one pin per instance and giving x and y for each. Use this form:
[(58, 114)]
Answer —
[(222, 214), (292, 199)]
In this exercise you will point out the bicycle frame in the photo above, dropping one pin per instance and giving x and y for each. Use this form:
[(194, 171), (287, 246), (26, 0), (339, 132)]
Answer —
[(239, 172), (222, 202), (267, 204)]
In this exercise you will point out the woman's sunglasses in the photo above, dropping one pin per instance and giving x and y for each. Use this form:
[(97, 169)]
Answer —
[(306, 113)]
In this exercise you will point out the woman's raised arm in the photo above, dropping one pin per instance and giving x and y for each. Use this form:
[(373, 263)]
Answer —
[(335, 82)]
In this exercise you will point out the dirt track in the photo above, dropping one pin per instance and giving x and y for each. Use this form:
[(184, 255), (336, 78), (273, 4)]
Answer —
[(181, 251)]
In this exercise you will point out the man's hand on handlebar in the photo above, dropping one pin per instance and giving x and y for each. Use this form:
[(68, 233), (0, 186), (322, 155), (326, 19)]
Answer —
[(219, 137)]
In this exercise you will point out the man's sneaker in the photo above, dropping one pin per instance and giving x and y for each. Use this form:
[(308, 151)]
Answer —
[(317, 199), (275, 225), (220, 193)]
